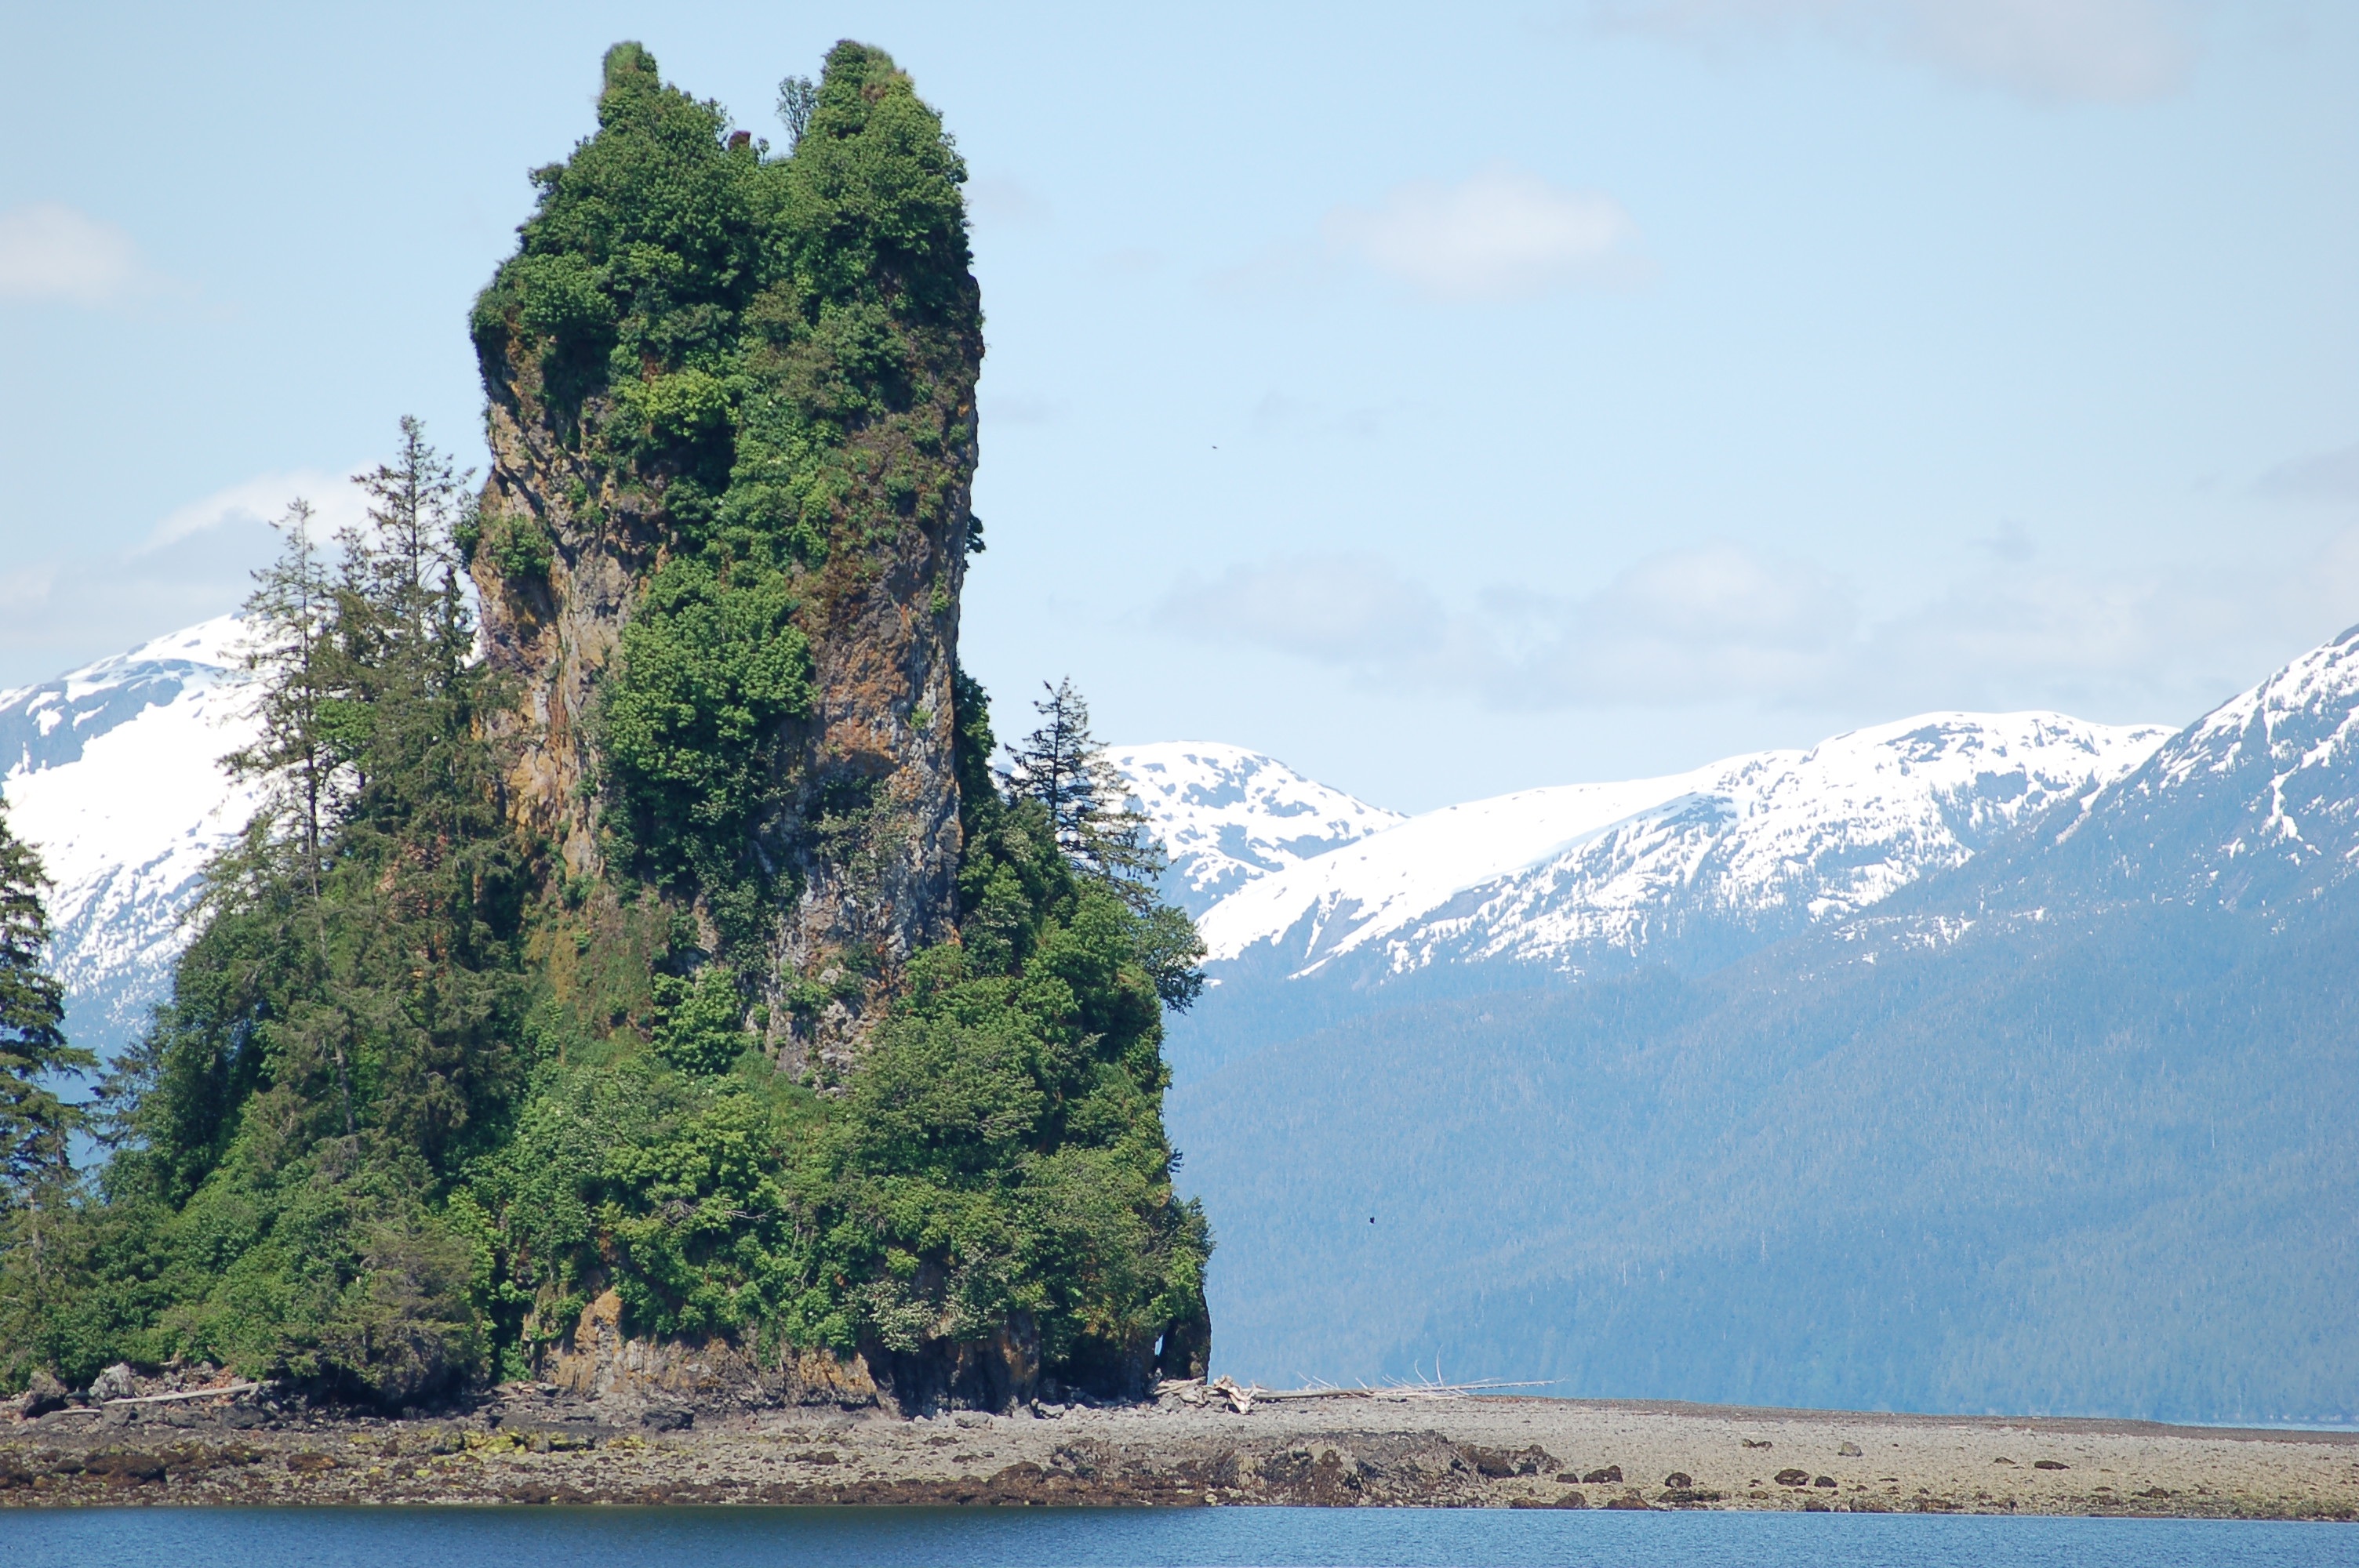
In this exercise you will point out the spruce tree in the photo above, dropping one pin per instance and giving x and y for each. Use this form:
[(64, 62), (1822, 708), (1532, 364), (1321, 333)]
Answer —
[(357, 958), (288, 618), (1063, 766), (35, 1122)]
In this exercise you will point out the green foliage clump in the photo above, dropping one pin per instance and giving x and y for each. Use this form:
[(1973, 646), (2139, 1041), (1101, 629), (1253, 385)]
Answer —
[(37, 1123), (772, 357), (712, 670), (698, 1029)]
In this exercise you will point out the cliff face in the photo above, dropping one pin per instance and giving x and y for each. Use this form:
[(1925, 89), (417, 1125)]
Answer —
[(723, 542)]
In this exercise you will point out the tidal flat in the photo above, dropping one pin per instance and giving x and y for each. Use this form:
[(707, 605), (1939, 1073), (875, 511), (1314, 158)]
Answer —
[(533, 1445)]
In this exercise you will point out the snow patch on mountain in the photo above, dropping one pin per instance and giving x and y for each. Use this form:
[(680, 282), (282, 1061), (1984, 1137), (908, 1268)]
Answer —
[(113, 776), (2305, 715), (2300, 727), (1227, 815), (2255, 804), (1754, 844)]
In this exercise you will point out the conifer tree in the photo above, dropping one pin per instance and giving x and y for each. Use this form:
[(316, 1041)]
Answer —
[(356, 958), (35, 1122), (288, 618), (1063, 766)]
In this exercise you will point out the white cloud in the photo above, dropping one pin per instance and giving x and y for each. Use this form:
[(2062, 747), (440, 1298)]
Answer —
[(1005, 203), (1684, 626), (1503, 234), (2049, 50), (1722, 623), (336, 502), (1344, 610), (50, 252), (26, 587), (196, 563), (2322, 476), (2102, 50)]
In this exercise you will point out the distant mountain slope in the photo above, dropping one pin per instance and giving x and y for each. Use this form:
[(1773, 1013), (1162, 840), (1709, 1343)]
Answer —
[(1726, 855), (2063, 1128), (2108, 1173), (112, 773), (1227, 815)]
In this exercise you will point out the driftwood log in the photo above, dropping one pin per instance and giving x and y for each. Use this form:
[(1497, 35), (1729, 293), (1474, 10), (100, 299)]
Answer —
[(224, 1391)]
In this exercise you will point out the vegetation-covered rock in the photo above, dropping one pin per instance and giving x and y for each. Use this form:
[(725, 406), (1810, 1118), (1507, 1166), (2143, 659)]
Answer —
[(733, 422), (684, 957)]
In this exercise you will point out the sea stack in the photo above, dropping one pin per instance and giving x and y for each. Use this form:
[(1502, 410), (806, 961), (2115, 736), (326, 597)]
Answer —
[(720, 552)]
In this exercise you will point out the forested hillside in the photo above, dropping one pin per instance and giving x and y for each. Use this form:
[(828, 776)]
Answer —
[(686, 951)]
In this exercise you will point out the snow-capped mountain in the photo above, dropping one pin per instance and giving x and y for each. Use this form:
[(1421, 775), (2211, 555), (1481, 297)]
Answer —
[(2257, 802), (1745, 848), (1227, 815), (113, 774), (2055, 1128)]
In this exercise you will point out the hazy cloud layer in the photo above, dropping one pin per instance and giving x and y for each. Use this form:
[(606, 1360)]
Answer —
[(1502, 235), (2323, 476), (196, 563), (50, 252), (1000, 201), (1723, 623), (336, 502), (2051, 50)]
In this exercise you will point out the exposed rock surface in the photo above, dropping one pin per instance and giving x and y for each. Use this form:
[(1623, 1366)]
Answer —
[(881, 655), (598, 1361)]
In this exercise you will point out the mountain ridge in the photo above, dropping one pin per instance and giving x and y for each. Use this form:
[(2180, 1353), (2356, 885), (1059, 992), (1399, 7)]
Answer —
[(1560, 875), (1235, 823)]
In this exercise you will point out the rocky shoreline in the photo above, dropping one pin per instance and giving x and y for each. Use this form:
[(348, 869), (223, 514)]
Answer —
[(542, 1444)]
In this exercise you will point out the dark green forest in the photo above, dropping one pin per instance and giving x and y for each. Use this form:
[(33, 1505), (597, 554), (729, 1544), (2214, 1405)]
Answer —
[(422, 1090)]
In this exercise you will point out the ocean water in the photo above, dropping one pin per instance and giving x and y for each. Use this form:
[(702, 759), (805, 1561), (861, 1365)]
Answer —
[(1052, 1537)]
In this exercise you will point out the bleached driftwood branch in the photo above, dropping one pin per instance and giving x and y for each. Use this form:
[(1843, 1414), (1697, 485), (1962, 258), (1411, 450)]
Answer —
[(1241, 1398), (225, 1389)]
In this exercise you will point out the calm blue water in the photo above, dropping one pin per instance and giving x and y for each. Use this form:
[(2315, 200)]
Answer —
[(1411, 1538)]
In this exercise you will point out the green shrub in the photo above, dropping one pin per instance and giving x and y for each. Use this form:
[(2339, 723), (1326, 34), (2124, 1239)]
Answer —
[(700, 1024)]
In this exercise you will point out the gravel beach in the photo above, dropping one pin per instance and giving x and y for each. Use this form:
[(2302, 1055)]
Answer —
[(535, 1443)]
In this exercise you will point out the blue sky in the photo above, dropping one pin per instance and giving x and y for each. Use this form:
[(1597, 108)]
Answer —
[(1444, 399)]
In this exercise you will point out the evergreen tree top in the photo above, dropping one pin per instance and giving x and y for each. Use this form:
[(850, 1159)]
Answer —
[(35, 1122)]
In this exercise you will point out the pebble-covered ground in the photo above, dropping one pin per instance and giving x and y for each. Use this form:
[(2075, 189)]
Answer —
[(532, 1444)]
